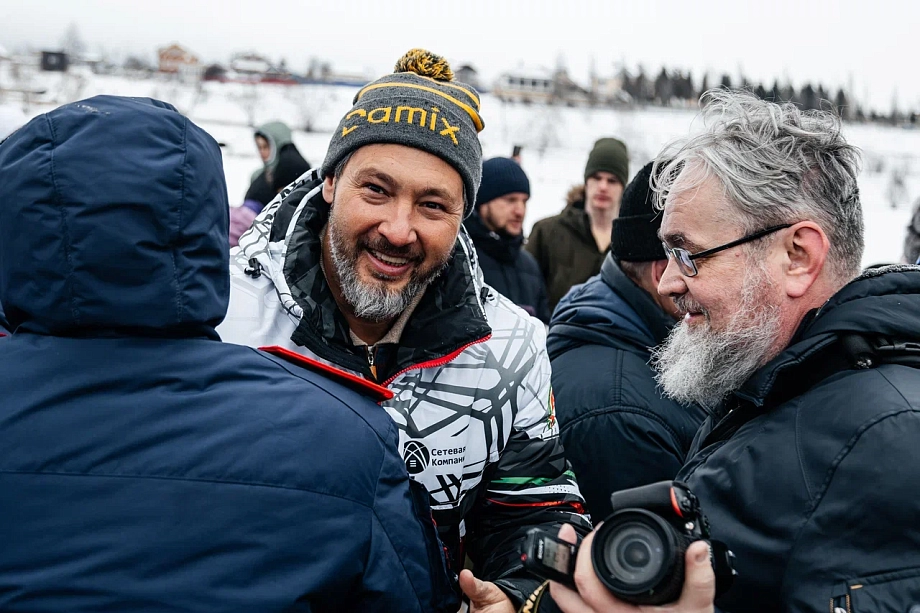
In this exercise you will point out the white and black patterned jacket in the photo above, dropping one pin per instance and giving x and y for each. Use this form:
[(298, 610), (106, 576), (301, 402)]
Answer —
[(470, 377)]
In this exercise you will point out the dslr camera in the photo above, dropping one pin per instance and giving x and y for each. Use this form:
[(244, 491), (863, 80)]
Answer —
[(638, 552)]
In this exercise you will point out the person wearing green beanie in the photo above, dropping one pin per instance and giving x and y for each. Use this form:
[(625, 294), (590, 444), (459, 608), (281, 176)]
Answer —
[(570, 246), (362, 264)]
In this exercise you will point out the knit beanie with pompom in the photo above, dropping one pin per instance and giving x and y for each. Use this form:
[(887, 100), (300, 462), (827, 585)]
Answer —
[(419, 105)]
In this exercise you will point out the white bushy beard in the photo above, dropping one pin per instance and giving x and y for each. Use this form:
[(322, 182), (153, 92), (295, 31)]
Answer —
[(375, 301), (697, 364)]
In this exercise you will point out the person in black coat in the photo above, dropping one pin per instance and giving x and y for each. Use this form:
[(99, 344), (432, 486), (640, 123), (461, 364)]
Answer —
[(497, 229), (617, 429), (807, 467)]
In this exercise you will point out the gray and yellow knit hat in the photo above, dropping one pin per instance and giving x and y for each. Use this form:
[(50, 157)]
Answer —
[(421, 106)]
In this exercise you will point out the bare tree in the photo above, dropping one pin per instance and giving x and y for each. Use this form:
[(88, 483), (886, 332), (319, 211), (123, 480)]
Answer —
[(72, 43)]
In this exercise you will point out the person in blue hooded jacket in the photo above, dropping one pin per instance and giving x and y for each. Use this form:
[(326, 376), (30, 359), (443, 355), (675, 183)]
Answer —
[(147, 466), (618, 430)]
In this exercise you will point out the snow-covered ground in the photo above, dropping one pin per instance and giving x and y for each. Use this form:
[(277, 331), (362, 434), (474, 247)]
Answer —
[(555, 140)]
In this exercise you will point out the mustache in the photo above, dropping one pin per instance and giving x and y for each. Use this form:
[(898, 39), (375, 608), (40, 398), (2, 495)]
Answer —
[(381, 245), (686, 304)]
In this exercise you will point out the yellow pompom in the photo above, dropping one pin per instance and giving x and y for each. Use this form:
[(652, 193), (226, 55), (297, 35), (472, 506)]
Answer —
[(426, 64)]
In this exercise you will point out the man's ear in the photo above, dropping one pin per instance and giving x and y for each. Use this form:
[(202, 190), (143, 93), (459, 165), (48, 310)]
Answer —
[(806, 248), (329, 189), (658, 268)]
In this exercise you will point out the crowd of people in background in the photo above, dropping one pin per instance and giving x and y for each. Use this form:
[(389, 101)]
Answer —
[(364, 388)]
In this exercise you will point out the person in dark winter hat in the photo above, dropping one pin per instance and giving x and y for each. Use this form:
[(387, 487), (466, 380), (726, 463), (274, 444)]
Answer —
[(570, 246), (617, 429), (497, 230), (363, 264), (635, 230), (608, 155)]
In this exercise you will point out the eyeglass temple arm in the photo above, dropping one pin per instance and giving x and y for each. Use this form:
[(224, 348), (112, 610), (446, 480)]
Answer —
[(740, 241)]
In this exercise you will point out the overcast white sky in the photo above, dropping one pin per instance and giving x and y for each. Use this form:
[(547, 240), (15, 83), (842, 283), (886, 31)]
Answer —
[(870, 44)]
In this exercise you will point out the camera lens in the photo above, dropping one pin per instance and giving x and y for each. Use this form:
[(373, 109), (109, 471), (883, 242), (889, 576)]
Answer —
[(638, 555), (634, 554)]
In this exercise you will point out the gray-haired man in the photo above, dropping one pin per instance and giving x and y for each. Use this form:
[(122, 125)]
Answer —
[(808, 467)]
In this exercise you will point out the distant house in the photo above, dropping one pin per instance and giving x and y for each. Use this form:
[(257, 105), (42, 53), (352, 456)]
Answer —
[(251, 64), (55, 61), (176, 59), (533, 85), (253, 68), (540, 86), (608, 90), (467, 74), (321, 71)]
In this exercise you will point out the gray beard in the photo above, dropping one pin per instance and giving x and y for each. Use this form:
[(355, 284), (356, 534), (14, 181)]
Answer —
[(372, 301), (702, 366)]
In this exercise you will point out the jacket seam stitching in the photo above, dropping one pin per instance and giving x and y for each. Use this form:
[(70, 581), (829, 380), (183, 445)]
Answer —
[(622, 408), (402, 564), (65, 230), (180, 306), (841, 456), (61, 473)]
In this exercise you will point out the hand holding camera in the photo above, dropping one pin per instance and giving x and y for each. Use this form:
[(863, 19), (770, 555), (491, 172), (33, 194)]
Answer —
[(593, 597), (652, 550)]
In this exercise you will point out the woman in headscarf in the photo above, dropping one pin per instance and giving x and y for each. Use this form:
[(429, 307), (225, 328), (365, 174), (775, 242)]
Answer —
[(282, 165)]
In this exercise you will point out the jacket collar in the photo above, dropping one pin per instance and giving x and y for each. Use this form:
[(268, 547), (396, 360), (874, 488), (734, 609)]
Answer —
[(881, 305), (500, 245), (577, 219), (654, 317)]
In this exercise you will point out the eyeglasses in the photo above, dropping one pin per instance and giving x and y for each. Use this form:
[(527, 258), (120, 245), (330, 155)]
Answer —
[(685, 259)]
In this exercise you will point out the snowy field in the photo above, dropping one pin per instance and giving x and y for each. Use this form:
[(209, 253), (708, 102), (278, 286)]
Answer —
[(555, 140)]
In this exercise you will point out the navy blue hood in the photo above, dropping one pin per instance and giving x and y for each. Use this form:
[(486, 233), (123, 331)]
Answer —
[(608, 310), (113, 218)]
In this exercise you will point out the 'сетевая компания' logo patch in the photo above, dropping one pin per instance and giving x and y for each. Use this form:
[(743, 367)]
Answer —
[(416, 457)]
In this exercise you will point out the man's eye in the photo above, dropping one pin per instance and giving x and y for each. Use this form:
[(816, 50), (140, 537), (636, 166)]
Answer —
[(374, 188), (434, 206)]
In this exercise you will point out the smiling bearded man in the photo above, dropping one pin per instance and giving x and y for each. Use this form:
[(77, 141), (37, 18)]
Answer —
[(700, 363), (807, 464), (363, 264), (380, 298)]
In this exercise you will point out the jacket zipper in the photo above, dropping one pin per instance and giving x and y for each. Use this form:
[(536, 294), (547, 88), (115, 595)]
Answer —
[(438, 362), (371, 351)]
